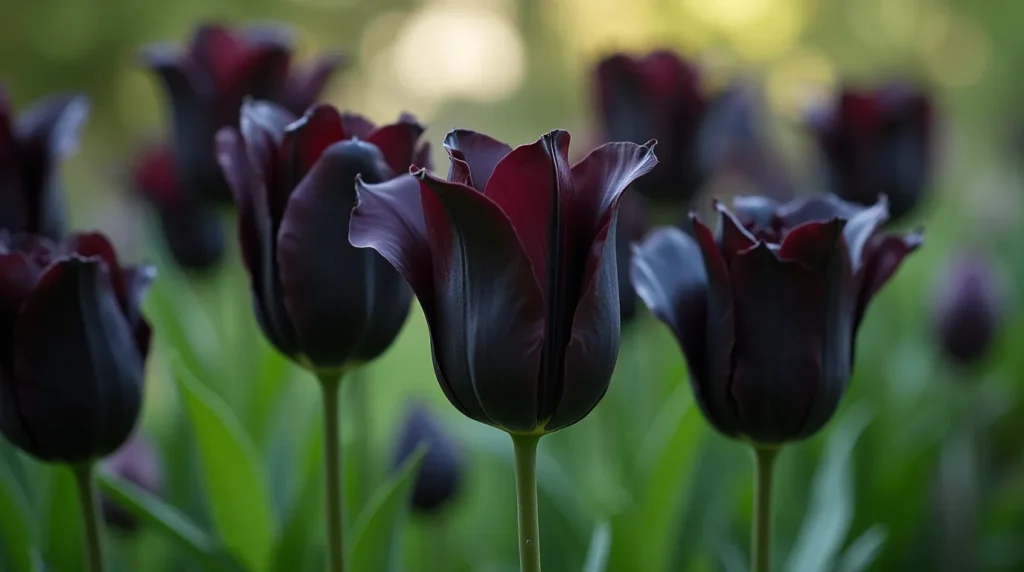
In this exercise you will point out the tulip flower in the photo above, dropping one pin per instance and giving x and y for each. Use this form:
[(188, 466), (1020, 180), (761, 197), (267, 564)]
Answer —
[(73, 345), (877, 142), (137, 463), (440, 474), (659, 96), (31, 149), (320, 301), (192, 230), (766, 311), (968, 308), (207, 82), (513, 261)]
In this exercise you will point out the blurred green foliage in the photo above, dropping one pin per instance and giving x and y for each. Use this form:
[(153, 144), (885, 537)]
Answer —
[(922, 466)]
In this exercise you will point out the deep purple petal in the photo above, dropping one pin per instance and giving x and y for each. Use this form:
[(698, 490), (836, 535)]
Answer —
[(882, 256), (483, 277), (780, 329), (305, 140), (731, 236), (356, 125), (812, 243), (83, 405), (720, 335), (479, 152), (861, 227), (304, 85), (263, 125), (331, 289), (398, 143), (755, 212), (815, 208), (18, 276), (95, 245), (155, 177)]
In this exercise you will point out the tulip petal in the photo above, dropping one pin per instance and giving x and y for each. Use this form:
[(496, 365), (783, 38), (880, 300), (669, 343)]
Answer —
[(720, 333), (95, 245), (861, 227), (356, 125), (138, 279), (256, 231), (780, 329), (17, 278), (95, 388), (216, 49), (600, 179), (398, 143), (329, 286), (815, 208), (263, 125), (483, 277), (303, 86), (755, 212), (304, 141), (883, 255), (155, 177), (478, 152), (812, 243), (732, 237)]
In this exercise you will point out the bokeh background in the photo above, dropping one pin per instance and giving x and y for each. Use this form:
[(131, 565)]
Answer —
[(922, 469)]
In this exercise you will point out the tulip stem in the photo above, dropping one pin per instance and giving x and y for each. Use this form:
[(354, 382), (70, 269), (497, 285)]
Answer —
[(526, 497), (88, 500), (329, 385), (761, 535)]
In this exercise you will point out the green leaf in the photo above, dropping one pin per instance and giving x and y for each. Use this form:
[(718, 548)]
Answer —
[(831, 509), (17, 528), (64, 541), (644, 533), (375, 533), (305, 514), (600, 545), (168, 520), (862, 552), (236, 488)]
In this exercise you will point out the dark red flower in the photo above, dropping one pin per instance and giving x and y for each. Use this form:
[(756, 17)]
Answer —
[(659, 96), (513, 261), (968, 308), (73, 345), (136, 462), (318, 299), (31, 148), (207, 82), (878, 142), (192, 229), (440, 475), (767, 309)]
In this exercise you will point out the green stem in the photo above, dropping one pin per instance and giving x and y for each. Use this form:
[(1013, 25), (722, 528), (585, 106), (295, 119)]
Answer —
[(332, 471), (87, 499), (526, 497), (761, 535), (360, 408)]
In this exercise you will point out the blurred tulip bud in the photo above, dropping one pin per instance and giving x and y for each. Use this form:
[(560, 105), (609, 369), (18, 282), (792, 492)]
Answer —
[(137, 463), (967, 308), (440, 475)]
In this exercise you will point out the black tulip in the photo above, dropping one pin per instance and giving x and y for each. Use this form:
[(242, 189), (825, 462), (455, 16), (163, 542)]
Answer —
[(967, 309), (318, 299), (73, 345), (439, 479)]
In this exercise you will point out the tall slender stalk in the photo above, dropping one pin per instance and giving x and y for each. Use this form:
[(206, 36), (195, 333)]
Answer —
[(329, 385), (526, 498), (89, 502), (761, 535)]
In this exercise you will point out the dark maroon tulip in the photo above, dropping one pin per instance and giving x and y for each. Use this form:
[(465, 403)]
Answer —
[(192, 230), (137, 463), (878, 142), (31, 149), (440, 475), (968, 308), (319, 300), (767, 310), (659, 96), (207, 82), (513, 261), (73, 346), (632, 226)]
